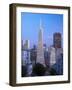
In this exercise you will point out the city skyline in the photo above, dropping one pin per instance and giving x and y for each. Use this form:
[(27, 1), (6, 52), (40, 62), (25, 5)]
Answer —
[(51, 23), (41, 29)]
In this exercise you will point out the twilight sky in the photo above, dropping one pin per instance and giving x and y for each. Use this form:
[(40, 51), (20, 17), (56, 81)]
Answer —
[(30, 26)]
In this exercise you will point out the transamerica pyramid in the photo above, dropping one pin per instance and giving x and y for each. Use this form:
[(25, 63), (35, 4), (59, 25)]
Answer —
[(40, 51)]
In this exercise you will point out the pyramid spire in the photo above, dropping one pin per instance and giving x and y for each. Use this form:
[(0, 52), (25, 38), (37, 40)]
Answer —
[(40, 51), (41, 24)]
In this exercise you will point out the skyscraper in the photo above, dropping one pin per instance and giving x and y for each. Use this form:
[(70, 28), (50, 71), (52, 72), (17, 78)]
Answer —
[(57, 40), (26, 52), (52, 56), (27, 44), (40, 51)]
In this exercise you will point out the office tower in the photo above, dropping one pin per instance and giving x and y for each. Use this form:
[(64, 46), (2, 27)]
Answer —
[(52, 56), (59, 61), (27, 44), (57, 40), (26, 53), (40, 51), (33, 55)]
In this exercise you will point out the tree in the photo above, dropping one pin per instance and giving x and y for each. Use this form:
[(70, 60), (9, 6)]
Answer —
[(38, 70), (52, 71), (24, 71)]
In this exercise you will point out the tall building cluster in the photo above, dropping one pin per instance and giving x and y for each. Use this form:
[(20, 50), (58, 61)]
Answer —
[(47, 56)]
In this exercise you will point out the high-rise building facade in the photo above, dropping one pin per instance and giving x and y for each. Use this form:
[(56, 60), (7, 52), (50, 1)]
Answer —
[(26, 52), (27, 44), (57, 40), (33, 55), (40, 51), (52, 56)]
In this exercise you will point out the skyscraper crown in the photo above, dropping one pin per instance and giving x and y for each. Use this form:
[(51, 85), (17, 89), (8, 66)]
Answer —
[(41, 26)]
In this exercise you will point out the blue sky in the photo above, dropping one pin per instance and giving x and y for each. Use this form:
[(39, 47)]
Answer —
[(30, 26)]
